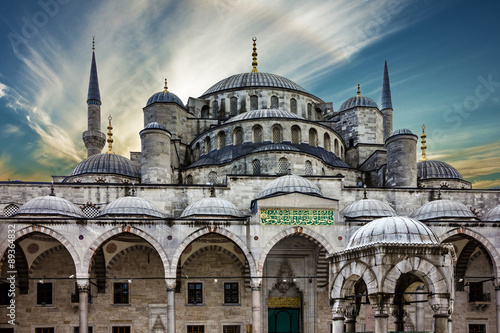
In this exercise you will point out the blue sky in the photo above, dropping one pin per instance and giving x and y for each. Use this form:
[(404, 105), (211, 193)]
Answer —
[(443, 59)]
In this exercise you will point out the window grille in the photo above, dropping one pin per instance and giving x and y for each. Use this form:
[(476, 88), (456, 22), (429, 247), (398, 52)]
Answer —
[(233, 105), (257, 134), (195, 329), (295, 134), (309, 168), (212, 177), (313, 137), (10, 210), (283, 166), (277, 134), (44, 330), (208, 145), (274, 102), (215, 108), (222, 140), (231, 329), (254, 102), (309, 111), (238, 136), (120, 329), (328, 145), (293, 105), (256, 167), (189, 179), (234, 170), (90, 210), (336, 145)]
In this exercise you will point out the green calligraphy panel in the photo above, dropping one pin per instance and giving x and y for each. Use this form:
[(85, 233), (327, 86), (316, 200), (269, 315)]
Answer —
[(297, 217)]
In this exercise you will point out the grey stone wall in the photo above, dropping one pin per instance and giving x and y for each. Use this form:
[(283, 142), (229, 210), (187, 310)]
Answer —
[(402, 161)]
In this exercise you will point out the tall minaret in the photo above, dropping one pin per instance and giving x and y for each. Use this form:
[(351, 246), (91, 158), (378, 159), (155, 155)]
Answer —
[(93, 138), (386, 104)]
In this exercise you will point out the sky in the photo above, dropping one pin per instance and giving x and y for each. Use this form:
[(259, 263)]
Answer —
[(443, 60)]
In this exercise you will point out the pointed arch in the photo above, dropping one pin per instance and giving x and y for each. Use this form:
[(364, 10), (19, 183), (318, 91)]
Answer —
[(492, 252), (349, 274), (113, 232), (47, 231), (309, 234), (201, 232)]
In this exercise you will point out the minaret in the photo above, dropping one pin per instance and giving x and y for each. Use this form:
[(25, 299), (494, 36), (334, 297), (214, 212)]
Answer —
[(424, 147), (254, 56), (93, 138), (386, 104)]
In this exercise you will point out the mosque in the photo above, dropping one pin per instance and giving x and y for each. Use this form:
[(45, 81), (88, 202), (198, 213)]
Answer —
[(255, 207)]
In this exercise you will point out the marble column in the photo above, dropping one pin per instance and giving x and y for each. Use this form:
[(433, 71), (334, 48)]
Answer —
[(171, 284), (497, 294), (256, 305), (441, 307), (380, 304), (83, 306), (338, 311), (399, 313), (350, 318), (420, 312)]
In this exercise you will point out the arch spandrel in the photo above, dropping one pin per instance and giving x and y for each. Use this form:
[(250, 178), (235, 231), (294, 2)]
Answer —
[(201, 232), (85, 268), (347, 277)]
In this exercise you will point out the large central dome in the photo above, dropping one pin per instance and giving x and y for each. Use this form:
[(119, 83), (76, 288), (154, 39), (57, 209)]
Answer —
[(247, 80)]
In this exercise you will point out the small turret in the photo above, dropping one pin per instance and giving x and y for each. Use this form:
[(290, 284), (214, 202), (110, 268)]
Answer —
[(386, 104), (401, 159), (93, 138)]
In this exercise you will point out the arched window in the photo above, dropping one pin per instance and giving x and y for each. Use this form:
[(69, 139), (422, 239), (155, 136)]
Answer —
[(274, 102), (309, 168), (257, 134), (322, 171), (254, 102), (309, 111), (222, 109), (238, 136), (313, 137), (283, 166), (336, 146), (256, 167), (295, 134), (205, 112), (234, 170), (208, 145), (319, 114), (327, 144), (277, 136), (293, 105), (221, 140), (215, 109), (90, 210), (234, 105), (341, 152), (212, 177), (189, 179), (196, 152), (10, 210)]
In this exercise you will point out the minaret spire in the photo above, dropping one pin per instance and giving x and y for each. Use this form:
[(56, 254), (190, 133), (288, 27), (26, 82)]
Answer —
[(386, 90), (254, 56), (93, 138), (386, 104), (424, 147), (110, 136)]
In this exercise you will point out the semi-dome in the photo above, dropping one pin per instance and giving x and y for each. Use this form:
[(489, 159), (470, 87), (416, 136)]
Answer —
[(212, 207), (290, 184), (369, 209), (263, 113), (165, 97), (107, 164), (393, 230), (49, 205), (430, 169), (358, 101), (443, 209), (492, 215), (253, 80), (131, 206)]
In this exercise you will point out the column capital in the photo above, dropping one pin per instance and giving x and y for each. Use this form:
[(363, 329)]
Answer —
[(171, 283), (338, 309), (380, 303), (82, 284), (441, 305), (256, 282)]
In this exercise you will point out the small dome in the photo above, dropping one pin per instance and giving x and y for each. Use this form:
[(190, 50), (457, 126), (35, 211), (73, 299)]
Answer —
[(155, 125), (436, 170), (131, 206), (358, 101), (49, 205), (263, 113), (443, 209), (492, 215), (212, 207), (252, 79), (290, 184), (393, 230), (368, 208), (107, 164), (165, 97), (401, 131)]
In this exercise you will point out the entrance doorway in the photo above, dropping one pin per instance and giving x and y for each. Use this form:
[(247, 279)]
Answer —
[(284, 320)]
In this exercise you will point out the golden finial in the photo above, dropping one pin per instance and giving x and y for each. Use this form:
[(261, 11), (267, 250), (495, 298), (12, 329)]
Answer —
[(110, 134), (93, 43), (424, 147), (359, 90), (254, 56), (165, 88)]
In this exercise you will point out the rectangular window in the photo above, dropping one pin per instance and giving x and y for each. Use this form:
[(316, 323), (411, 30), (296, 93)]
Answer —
[(120, 293), (195, 293), (196, 329), (477, 328), (77, 329), (44, 330), (231, 329), (231, 293), (44, 294), (6, 330), (476, 292), (120, 329), (4, 294)]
